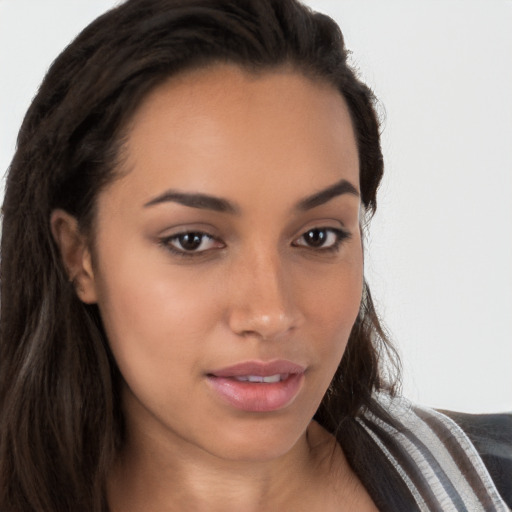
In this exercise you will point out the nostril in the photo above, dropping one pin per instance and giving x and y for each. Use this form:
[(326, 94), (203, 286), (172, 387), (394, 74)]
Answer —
[(266, 327)]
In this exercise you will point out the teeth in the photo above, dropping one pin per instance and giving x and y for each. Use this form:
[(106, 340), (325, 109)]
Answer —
[(258, 378), (272, 378)]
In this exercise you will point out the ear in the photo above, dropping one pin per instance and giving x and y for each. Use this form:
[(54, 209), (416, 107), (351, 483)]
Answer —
[(75, 254)]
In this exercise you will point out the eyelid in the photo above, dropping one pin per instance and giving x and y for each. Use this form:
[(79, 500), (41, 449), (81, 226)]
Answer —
[(166, 243), (170, 242), (340, 236)]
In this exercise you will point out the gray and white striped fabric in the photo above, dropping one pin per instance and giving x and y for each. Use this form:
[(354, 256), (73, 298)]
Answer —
[(434, 457)]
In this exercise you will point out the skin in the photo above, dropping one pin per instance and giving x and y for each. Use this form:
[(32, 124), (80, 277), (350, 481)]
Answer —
[(255, 289)]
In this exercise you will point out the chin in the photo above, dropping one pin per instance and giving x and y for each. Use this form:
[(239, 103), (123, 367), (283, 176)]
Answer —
[(258, 440)]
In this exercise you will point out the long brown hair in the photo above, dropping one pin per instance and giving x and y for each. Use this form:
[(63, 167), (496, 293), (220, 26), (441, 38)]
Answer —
[(61, 422)]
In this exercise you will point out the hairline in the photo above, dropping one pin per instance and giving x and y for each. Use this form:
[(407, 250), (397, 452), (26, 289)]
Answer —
[(119, 166)]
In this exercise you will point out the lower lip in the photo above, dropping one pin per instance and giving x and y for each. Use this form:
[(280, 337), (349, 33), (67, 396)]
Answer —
[(257, 396)]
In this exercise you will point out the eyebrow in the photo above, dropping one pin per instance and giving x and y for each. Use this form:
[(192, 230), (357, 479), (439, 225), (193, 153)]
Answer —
[(325, 195), (218, 204), (195, 200)]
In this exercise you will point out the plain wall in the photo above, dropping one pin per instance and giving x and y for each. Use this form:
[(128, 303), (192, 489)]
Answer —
[(439, 252)]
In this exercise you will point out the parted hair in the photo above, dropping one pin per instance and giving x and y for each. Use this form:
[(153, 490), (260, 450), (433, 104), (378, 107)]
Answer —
[(61, 422)]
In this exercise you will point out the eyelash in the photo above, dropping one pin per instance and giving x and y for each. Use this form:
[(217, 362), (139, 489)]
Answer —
[(339, 234), (167, 243)]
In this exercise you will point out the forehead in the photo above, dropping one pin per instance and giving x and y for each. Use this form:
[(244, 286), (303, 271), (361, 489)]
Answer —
[(226, 131)]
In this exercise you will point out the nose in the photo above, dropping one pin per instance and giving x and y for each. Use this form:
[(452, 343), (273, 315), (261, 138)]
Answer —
[(262, 303)]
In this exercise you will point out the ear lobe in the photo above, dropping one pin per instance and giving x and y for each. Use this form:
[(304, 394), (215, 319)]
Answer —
[(75, 254)]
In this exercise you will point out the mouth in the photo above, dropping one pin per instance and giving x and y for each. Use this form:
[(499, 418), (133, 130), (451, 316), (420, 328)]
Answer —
[(259, 378), (256, 386)]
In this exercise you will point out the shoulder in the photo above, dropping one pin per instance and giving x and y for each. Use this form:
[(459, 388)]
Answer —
[(491, 435), (436, 458)]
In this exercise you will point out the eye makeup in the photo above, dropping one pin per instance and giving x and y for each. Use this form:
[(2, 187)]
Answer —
[(195, 243)]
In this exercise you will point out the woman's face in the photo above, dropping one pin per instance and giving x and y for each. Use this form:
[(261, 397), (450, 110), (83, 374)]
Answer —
[(228, 261)]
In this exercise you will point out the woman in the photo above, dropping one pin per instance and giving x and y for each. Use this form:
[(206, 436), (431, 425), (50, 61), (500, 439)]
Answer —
[(182, 280)]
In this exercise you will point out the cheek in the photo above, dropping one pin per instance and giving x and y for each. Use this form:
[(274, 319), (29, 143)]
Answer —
[(334, 293), (334, 303), (162, 315), (153, 315)]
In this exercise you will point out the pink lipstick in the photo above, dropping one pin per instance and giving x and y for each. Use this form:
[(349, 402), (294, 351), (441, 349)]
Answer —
[(257, 386)]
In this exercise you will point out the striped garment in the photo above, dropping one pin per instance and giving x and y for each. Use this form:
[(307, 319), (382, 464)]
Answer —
[(434, 457)]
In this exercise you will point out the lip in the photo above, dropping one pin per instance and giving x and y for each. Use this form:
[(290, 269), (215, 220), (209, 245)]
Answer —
[(263, 368), (258, 396)]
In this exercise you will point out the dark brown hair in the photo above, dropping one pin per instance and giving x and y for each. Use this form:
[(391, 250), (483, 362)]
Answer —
[(60, 417)]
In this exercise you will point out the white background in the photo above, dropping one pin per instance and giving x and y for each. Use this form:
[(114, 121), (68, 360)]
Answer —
[(440, 250)]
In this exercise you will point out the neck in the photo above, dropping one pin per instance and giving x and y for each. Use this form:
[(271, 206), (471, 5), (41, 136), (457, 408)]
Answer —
[(152, 476)]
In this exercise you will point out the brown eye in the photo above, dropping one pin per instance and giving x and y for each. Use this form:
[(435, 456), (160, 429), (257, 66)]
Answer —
[(190, 243), (315, 237), (322, 238)]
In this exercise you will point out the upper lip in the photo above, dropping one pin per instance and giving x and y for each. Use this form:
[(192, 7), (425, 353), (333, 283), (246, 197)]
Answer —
[(260, 368)]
